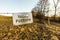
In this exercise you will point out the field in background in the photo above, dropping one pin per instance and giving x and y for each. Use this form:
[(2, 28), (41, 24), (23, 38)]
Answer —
[(34, 31)]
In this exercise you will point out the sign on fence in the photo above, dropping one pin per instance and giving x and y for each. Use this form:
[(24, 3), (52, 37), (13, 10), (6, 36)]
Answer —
[(22, 18)]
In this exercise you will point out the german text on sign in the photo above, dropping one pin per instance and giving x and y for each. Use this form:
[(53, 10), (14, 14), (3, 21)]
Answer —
[(22, 18)]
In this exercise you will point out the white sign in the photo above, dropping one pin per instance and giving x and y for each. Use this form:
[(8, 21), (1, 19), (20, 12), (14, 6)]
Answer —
[(22, 18)]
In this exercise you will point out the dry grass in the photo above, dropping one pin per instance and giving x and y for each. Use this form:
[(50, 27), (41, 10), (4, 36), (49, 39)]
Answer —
[(34, 31)]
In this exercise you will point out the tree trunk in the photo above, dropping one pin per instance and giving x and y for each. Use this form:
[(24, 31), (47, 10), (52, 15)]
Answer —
[(55, 13), (49, 20)]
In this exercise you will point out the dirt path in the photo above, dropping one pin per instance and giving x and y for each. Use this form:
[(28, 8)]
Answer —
[(55, 23), (53, 28)]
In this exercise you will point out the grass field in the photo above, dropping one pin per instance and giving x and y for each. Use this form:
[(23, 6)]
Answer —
[(33, 31)]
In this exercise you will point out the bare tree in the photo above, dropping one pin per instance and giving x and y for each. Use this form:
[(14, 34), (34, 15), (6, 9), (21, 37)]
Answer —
[(55, 6), (42, 5), (43, 8)]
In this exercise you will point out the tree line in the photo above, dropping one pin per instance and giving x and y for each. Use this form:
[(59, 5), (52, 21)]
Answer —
[(42, 9)]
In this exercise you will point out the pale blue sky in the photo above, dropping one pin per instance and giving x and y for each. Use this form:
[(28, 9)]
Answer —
[(11, 6)]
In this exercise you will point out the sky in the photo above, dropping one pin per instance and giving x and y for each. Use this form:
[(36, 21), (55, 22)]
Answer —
[(13, 6), (51, 7)]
